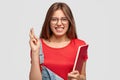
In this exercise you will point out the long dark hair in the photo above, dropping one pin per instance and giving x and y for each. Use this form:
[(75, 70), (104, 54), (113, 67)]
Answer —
[(46, 31)]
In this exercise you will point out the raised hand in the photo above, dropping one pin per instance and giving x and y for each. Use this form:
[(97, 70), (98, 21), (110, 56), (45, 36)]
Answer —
[(34, 42)]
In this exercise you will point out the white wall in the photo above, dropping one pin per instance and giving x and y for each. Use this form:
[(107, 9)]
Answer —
[(97, 23)]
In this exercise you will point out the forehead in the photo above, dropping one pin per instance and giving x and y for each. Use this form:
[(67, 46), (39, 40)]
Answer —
[(58, 13)]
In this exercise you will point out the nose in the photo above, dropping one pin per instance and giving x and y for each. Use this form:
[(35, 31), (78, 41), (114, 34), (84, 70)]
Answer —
[(59, 22)]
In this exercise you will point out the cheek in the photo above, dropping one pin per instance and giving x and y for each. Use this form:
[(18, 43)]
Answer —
[(52, 27), (67, 27)]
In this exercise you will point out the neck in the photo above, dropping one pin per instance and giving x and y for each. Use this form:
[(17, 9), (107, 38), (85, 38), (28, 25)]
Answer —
[(59, 39)]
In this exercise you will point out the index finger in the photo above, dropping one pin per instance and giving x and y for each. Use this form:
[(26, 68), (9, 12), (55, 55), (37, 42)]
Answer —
[(32, 31), (31, 34)]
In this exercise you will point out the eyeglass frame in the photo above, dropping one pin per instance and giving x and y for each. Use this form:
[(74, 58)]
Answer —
[(62, 19)]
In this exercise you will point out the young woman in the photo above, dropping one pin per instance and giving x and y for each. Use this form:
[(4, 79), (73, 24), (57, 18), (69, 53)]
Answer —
[(59, 45)]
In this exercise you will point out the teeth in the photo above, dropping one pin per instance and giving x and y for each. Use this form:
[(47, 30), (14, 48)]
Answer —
[(59, 28)]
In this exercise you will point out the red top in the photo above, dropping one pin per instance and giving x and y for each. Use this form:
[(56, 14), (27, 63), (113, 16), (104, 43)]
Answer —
[(61, 60)]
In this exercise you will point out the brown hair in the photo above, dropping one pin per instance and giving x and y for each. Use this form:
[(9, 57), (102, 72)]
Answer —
[(46, 31)]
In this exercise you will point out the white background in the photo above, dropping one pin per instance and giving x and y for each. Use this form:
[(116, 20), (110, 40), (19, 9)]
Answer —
[(97, 22)]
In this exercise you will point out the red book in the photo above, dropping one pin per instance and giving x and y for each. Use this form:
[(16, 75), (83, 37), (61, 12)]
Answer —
[(82, 51)]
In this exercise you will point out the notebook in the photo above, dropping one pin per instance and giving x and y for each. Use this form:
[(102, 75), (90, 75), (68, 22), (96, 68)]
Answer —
[(82, 51)]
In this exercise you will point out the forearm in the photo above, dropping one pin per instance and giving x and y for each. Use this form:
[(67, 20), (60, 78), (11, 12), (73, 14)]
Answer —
[(35, 73)]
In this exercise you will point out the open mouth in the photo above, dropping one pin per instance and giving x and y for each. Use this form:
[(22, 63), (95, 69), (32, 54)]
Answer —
[(59, 29)]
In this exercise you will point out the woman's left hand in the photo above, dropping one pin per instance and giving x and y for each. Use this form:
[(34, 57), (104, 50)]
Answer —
[(74, 75)]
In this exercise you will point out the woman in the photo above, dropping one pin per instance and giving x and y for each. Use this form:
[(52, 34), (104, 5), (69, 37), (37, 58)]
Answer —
[(59, 45)]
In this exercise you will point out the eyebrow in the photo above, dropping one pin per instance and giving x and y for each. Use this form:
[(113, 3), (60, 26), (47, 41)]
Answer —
[(57, 17)]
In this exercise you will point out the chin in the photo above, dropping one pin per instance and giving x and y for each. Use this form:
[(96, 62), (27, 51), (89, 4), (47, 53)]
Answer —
[(60, 34)]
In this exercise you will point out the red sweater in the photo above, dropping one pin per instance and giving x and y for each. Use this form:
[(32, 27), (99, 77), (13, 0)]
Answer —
[(61, 60)]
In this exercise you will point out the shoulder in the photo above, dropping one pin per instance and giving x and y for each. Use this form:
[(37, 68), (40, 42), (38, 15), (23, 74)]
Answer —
[(78, 42)]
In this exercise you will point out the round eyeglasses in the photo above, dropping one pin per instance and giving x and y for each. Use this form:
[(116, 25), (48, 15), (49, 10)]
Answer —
[(54, 20)]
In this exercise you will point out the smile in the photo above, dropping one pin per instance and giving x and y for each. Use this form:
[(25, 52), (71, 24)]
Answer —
[(59, 29)]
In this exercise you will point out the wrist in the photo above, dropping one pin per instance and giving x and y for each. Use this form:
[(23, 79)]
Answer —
[(35, 55), (35, 59), (35, 52)]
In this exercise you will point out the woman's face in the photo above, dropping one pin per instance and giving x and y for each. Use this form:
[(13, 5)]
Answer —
[(59, 23)]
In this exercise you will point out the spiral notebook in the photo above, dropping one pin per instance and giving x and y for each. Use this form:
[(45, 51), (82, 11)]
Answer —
[(82, 51)]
